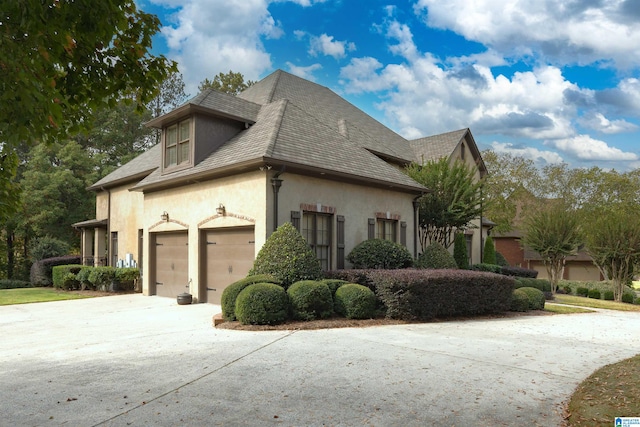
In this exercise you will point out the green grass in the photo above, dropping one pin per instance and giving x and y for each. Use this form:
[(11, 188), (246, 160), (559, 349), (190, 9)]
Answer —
[(594, 303), (29, 295), (565, 309)]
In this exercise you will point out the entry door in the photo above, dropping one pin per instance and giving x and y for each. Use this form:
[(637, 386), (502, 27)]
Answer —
[(229, 255), (171, 264)]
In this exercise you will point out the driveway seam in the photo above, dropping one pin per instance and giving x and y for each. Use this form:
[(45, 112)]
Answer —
[(146, 402)]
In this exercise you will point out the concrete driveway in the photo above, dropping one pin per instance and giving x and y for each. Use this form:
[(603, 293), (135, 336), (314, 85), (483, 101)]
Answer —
[(145, 361)]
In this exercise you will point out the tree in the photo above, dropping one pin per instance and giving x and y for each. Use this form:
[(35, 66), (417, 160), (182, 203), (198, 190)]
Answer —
[(231, 83), (460, 253), (613, 241), (453, 202), (554, 232), (170, 96), (489, 253)]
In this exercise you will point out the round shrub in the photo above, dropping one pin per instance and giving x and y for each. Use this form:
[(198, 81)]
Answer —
[(380, 254), (70, 282), (536, 298), (628, 298), (334, 284), (519, 300), (355, 301), (83, 278), (594, 293), (435, 256), (230, 293), (608, 295), (47, 247), (309, 300), (581, 291), (287, 257), (636, 301), (102, 277), (567, 289), (262, 304)]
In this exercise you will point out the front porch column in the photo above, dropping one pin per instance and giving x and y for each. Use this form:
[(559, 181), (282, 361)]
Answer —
[(87, 246), (100, 247)]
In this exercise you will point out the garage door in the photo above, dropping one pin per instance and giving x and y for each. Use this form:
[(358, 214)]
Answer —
[(171, 264), (229, 255)]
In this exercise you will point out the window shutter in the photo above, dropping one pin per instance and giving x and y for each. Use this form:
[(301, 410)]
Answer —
[(295, 219), (372, 228), (340, 242), (403, 233)]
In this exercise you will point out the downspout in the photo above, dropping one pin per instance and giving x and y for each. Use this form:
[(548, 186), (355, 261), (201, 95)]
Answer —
[(108, 236), (415, 203), (276, 183), (481, 230)]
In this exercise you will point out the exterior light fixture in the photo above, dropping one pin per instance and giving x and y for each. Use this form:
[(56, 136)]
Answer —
[(221, 210), (165, 216)]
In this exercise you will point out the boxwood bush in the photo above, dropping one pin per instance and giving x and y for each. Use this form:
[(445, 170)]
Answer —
[(426, 294), (230, 293), (262, 304), (380, 254), (64, 276), (361, 277), (435, 256), (594, 293), (125, 278), (309, 300), (102, 278), (628, 298), (536, 297), (287, 256), (519, 300), (14, 284), (608, 295), (490, 268), (355, 301), (582, 291), (83, 278), (333, 285), (543, 284), (518, 272)]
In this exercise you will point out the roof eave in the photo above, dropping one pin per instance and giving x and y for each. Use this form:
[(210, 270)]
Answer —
[(189, 109)]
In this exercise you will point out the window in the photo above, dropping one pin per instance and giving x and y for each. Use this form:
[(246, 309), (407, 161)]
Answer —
[(316, 229), (177, 147), (469, 239), (386, 229), (114, 248), (462, 153)]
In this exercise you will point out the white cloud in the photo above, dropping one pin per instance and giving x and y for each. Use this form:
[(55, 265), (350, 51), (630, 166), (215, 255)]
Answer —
[(538, 156), (326, 45), (598, 122), (584, 147), (580, 31), (304, 72)]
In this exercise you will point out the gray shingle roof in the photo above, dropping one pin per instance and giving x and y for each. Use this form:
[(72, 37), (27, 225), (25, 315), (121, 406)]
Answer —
[(437, 146), (135, 169)]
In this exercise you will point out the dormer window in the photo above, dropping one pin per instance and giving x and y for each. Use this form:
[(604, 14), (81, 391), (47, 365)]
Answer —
[(177, 150)]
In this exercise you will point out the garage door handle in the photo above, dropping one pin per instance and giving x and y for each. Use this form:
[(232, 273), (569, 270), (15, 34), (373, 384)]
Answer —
[(159, 283), (211, 289)]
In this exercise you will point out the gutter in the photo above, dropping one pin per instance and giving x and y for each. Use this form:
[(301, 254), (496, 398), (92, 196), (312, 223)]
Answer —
[(108, 224)]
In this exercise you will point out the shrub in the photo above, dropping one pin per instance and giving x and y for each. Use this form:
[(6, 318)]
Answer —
[(47, 247), (519, 272), (536, 298), (543, 284), (355, 301), (287, 257), (608, 295), (102, 278), (380, 253), (83, 278), (435, 256), (262, 304), (637, 301), (594, 293), (230, 293), (581, 291), (519, 300), (567, 289), (489, 253), (501, 260), (490, 268), (309, 300), (361, 277), (41, 270), (333, 285), (628, 298), (460, 254), (125, 278), (14, 284), (420, 294), (64, 276)]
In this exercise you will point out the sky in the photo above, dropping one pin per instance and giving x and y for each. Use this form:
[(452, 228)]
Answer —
[(548, 80)]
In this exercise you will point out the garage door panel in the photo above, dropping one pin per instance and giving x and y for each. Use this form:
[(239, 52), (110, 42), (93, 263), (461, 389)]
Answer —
[(172, 264), (229, 257)]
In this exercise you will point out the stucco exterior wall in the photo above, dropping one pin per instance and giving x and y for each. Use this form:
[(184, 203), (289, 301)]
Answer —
[(193, 208), (126, 219), (356, 203)]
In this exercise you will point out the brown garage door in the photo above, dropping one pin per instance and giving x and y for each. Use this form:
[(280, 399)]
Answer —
[(171, 263), (228, 255)]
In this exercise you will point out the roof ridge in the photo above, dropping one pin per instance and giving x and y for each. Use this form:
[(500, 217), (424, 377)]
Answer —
[(271, 146), (274, 85)]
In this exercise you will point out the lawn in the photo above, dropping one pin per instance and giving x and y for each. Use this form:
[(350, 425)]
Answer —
[(29, 295), (594, 303)]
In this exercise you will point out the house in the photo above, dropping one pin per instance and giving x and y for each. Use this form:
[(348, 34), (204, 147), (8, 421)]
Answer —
[(194, 210)]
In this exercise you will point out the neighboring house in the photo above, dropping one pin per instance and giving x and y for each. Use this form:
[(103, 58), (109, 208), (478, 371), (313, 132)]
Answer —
[(194, 210)]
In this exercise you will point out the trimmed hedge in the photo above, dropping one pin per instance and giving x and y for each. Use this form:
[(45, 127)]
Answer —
[(427, 294), (333, 285), (125, 278), (435, 256), (41, 274), (519, 300), (14, 284), (230, 293), (309, 300), (83, 277), (536, 297), (518, 272), (628, 298), (355, 301), (64, 276), (490, 268), (594, 293), (102, 278), (582, 291), (262, 304), (608, 295), (380, 254), (361, 277), (543, 284)]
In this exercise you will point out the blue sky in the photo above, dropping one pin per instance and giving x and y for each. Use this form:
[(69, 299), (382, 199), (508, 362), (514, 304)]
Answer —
[(553, 81)]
